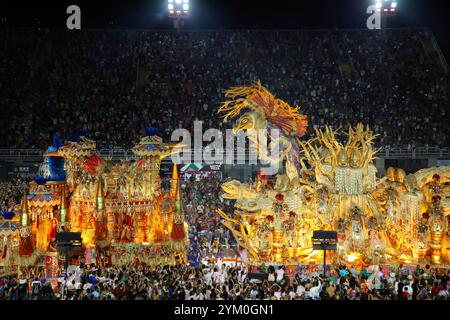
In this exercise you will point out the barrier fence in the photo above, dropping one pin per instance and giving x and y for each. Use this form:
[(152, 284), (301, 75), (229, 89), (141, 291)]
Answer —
[(117, 154)]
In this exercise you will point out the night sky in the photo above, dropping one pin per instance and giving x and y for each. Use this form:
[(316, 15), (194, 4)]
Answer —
[(229, 14)]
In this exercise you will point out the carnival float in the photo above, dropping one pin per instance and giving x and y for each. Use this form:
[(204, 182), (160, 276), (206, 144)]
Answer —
[(329, 183), (118, 207)]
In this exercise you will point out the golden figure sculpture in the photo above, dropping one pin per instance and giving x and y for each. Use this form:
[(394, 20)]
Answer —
[(398, 218)]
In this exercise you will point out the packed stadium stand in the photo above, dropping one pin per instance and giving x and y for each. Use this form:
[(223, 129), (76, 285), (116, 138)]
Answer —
[(114, 83)]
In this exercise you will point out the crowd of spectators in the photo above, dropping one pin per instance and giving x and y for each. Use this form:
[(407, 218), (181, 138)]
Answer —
[(201, 199), (217, 281), (115, 83), (12, 189)]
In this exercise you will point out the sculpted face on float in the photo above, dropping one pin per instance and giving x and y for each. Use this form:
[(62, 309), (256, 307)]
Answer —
[(355, 159), (342, 158), (326, 156)]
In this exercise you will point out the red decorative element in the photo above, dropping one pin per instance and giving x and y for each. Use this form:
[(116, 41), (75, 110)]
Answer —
[(261, 174), (177, 232), (101, 227), (436, 177), (270, 218), (92, 163), (54, 229), (426, 215), (139, 162), (26, 246), (4, 251), (292, 214), (270, 184), (279, 197)]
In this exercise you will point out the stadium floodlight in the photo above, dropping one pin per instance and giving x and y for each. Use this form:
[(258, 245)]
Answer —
[(178, 9), (387, 7)]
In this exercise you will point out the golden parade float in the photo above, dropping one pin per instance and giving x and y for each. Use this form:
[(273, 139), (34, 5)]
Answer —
[(118, 207), (330, 183)]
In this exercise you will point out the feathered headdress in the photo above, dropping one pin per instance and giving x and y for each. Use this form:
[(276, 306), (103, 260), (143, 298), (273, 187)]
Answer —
[(259, 99)]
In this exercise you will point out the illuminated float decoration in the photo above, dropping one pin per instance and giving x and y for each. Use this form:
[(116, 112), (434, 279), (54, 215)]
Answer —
[(399, 218), (118, 207)]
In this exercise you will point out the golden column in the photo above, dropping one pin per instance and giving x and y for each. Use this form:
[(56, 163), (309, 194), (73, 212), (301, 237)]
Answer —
[(101, 230), (63, 209), (24, 219), (174, 184)]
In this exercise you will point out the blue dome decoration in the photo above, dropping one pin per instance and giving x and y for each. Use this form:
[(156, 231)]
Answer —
[(7, 215), (57, 172), (52, 169), (40, 180)]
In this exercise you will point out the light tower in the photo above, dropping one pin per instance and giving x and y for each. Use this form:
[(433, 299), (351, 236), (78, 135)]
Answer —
[(386, 8), (178, 11)]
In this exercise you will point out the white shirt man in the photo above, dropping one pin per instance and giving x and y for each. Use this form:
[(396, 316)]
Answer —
[(391, 279), (377, 283), (292, 295), (216, 276), (223, 277), (208, 294), (315, 291), (187, 294), (253, 293), (208, 276), (396, 287), (242, 277), (280, 274), (300, 290)]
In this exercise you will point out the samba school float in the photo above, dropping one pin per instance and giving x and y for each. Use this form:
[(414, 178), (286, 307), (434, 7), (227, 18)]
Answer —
[(118, 207), (397, 219)]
